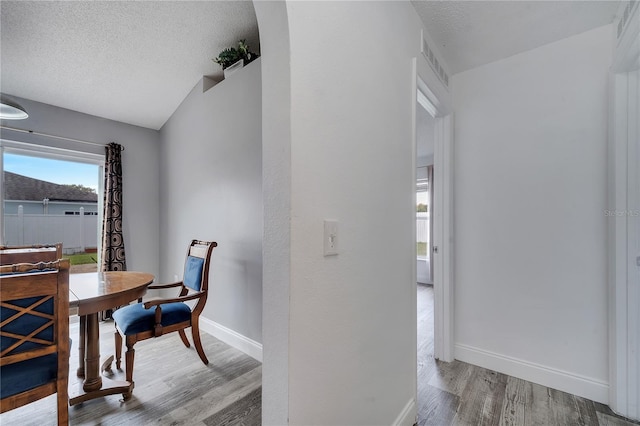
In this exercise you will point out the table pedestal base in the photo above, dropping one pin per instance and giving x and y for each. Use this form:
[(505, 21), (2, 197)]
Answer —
[(94, 384), (109, 387)]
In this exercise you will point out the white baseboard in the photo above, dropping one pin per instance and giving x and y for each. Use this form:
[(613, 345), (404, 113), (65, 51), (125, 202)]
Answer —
[(586, 387), (232, 338), (408, 416)]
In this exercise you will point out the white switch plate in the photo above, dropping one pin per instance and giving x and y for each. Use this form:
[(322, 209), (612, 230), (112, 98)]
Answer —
[(330, 237)]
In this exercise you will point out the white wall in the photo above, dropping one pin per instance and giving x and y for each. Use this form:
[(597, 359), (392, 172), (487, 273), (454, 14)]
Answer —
[(530, 182), (212, 190), (276, 189), (140, 165), (351, 332)]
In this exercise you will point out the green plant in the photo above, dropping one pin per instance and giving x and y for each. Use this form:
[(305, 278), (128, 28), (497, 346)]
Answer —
[(81, 258), (231, 55)]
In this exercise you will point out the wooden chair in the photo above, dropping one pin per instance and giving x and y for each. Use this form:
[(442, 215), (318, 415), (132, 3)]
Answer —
[(140, 322), (34, 334), (30, 254)]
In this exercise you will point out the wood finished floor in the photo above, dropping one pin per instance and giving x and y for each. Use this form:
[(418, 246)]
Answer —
[(458, 393), (173, 387)]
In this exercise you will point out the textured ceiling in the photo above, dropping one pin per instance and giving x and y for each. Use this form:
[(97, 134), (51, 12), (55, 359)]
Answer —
[(474, 33), (135, 61), (129, 61)]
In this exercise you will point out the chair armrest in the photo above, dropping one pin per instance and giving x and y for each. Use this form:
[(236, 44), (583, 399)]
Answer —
[(160, 286), (157, 302)]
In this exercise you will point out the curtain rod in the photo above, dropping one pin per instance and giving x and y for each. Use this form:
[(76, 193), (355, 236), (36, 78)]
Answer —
[(31, 132)]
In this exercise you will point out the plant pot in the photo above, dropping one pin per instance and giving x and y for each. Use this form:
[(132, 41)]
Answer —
[(233, 68)]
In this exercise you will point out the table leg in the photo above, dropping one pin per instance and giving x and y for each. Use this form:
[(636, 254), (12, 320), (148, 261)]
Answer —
[(81, 345), (92, 378)]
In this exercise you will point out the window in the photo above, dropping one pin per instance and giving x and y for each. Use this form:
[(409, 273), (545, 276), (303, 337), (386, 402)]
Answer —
[(51, 195)]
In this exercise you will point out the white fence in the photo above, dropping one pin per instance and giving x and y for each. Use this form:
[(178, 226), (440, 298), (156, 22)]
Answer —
[(75, 232), (422, 228)]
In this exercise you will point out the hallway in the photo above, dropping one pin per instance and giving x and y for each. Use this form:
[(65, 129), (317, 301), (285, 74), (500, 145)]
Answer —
[(458, 393)]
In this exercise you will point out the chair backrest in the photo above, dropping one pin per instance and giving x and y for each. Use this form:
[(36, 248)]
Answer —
[(196, 266), (30, 254), (34, 332)]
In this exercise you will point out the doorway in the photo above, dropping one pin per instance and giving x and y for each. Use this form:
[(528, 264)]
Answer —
[(425, 123), (432, 105), (433, 304)]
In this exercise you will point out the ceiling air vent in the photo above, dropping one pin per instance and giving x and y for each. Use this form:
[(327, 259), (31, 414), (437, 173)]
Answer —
[(624, 19), (435, 64)]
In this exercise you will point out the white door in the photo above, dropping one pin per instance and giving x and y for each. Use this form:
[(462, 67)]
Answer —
[(442, 246), (633, 250)]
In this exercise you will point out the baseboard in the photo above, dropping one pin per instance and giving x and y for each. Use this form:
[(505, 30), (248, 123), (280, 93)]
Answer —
[(586, 387), (232, 338), (408, 415)]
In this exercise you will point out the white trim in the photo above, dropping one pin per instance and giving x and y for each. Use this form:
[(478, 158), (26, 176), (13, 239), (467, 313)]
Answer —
[(438, 242), (623, 244), (35, 150), (412, 219), (633, 247), (617, 241), (447, 301), (586, 387), (408, 416), (232, 338), (426, 104)]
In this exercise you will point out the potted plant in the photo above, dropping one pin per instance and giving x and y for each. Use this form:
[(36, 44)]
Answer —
[(232, 59)]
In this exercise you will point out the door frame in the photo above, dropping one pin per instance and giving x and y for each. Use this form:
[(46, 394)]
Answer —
[(622, 216), (426, 81)]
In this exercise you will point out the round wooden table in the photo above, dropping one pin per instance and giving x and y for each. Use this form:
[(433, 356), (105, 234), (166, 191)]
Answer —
[(92, 293)]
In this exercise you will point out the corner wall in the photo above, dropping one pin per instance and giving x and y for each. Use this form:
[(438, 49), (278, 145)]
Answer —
[(211, 158), (530, 237)]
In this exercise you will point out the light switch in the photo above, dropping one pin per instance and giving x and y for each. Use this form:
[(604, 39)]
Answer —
[(330, 237)]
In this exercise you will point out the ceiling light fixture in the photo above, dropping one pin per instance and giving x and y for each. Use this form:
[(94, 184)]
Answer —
[(11, 110)]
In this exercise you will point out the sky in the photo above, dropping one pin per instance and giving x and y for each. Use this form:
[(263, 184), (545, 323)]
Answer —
[(50, 170)]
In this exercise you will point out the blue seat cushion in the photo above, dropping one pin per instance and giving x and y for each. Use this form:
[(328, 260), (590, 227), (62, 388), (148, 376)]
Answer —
[(133, 319), (29, 374)]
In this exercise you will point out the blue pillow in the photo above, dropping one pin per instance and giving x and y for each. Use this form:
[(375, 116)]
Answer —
[(193, 272)]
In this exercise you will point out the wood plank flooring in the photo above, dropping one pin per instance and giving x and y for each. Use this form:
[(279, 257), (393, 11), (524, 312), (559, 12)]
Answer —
[(173, 387), (457, 393)]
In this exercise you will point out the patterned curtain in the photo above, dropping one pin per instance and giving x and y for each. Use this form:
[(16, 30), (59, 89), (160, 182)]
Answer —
[(112, 240)]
